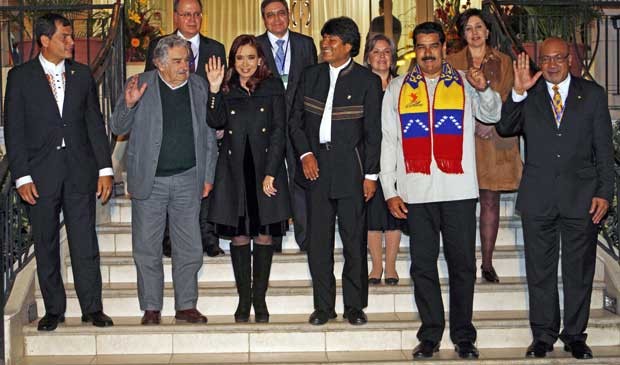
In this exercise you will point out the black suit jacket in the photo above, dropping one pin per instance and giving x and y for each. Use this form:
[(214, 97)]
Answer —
[(303, 54), (34, 128), (566, 167), (355, 129), (208, 47)]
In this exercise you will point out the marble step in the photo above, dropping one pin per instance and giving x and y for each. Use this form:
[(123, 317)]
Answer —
[(116, 237), (286, 333), (508, 261), (120, 208), (295, 297), (505, 356)]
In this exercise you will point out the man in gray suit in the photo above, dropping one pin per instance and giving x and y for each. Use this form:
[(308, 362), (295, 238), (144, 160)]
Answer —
[(170, 167)]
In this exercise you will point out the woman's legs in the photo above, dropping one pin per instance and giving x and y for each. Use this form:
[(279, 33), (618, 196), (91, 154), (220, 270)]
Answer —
[(489, 225), (242, 268), (392, 244), (376, 253), (263, 254)]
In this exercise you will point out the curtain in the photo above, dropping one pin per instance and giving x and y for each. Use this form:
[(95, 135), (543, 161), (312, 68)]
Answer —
[(224, 20)]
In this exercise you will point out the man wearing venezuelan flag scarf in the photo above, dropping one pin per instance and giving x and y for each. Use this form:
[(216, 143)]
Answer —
[(428, 173)]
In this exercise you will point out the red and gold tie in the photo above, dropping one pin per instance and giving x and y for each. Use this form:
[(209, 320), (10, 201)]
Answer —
[(558, 108)]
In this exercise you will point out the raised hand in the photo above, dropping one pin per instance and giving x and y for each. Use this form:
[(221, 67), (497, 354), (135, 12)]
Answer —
[(477, 79), (215, 73), (523, 77), (133, 93)]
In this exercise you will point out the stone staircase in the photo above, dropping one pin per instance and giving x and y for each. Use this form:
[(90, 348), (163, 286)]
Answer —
[(500, 314)]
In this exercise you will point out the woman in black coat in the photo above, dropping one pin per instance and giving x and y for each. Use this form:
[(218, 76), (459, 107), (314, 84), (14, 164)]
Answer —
[(250, 199)]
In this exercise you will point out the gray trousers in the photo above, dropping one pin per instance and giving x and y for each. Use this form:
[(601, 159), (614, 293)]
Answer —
[(178, 197)]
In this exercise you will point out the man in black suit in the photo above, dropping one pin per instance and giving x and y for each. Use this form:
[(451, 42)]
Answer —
[(188, 18), (335, 128), (565, 191), (287, 54), (59, 154)]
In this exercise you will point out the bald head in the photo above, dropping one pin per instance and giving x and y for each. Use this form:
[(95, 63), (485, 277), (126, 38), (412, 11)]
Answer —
[(555, 60)]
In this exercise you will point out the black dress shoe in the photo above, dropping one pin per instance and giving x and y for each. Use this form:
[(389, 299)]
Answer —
[(98, 319), (355, 317), (50, 321), (579, 350), (466, 350), (391, 281), (425, 349), (320, 317), (538, 349), (489, 275), (214, 250)]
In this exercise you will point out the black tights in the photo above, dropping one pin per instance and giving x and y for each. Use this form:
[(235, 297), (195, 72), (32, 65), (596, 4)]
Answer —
[(489, 225)]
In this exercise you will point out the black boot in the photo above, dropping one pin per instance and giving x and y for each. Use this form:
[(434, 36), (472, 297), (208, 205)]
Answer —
[(242, 267), (262, 267)]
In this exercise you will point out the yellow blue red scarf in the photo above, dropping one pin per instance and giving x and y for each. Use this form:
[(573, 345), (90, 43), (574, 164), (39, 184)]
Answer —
[(444, 139)]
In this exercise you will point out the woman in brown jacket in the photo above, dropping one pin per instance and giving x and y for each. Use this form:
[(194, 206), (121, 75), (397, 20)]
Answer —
[(498, 161)]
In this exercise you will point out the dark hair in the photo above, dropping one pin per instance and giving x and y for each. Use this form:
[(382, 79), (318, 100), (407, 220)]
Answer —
[(175, 5), (380, 4), (262, 72), (429, 28), (264, 4), (370, 44), (346, 29), (464, 17), (45, 25)]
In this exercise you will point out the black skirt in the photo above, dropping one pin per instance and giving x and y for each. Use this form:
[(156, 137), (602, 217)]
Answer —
[(379, 217), (249, 224)]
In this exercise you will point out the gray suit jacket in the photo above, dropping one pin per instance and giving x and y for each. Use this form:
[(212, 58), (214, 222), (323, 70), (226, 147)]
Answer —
[(145, 123)]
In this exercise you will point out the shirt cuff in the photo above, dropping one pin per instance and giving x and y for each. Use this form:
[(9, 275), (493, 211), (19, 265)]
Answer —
[(518, 98), (305, 154), (372, 177), (23, 181), (106, 172)]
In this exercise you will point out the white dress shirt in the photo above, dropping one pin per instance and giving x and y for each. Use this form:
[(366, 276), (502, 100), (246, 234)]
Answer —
[(195, 41), (56, 77), (287, 50)]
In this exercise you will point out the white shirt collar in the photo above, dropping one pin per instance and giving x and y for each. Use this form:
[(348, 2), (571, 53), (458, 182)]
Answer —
[(195, 40), (170, 86), (272, 38), (51, 68), (562, 86), (336, 70)]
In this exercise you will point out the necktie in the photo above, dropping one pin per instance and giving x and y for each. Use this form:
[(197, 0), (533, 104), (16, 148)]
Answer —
[(192, 59), (558, 108), (280, 56)]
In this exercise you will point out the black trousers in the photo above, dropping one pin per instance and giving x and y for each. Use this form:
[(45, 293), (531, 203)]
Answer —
[(542, 251), (456, 221), (322, 213), (79, 217)]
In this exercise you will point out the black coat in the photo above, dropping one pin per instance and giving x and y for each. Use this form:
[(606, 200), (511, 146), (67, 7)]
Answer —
[(34, 128), (566, 167), (356, 124), (259, 117)]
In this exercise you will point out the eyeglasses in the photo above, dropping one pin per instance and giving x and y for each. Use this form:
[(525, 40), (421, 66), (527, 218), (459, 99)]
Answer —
[(190, 15), (558, 59), (274, 14)]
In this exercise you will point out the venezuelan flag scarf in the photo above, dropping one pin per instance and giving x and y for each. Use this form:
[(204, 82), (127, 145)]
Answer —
[(445, 141)]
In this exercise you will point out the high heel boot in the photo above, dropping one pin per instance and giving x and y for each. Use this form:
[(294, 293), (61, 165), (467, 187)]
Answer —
[(263, 255), (242, 268)]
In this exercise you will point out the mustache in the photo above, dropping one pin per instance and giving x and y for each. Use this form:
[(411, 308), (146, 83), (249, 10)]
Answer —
[(429, 58)]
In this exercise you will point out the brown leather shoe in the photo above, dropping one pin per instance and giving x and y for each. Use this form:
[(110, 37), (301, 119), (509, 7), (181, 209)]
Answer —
[(151, 318), (190, 316)]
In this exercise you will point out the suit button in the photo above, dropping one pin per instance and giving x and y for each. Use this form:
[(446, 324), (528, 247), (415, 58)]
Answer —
[(58, 148), (266, 149), (233, 112), (262, 109), (264, 130), (229, 152), (65, 124), (558, 155), (559, 134)]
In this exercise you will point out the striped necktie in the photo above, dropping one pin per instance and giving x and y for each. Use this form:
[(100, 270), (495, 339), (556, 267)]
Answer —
[(558, 108), (280, 56), (192, 58)]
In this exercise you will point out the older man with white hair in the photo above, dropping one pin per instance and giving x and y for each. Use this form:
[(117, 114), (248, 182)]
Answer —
[(170, 167)]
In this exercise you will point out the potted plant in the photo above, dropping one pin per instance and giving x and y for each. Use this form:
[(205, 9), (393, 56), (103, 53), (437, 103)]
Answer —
[(139, 30)]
